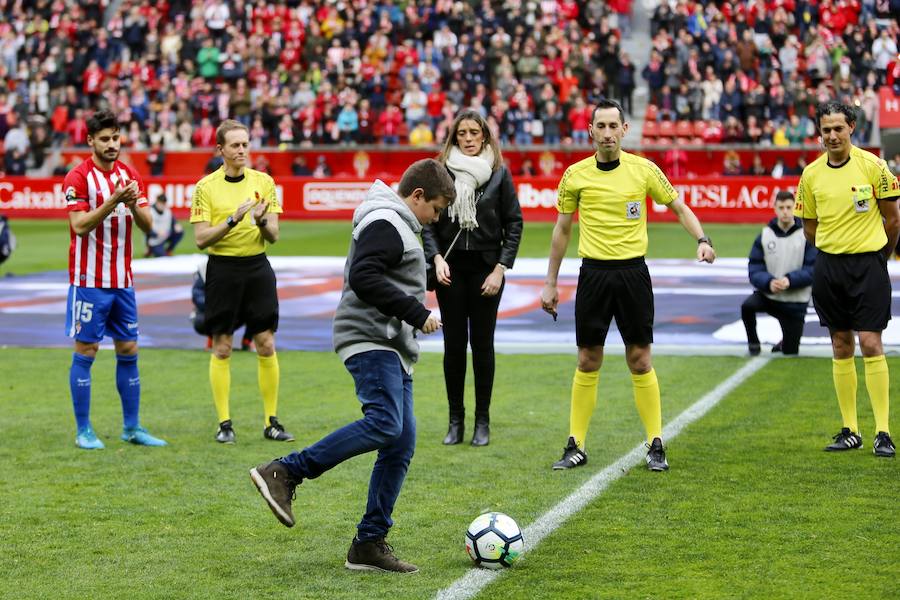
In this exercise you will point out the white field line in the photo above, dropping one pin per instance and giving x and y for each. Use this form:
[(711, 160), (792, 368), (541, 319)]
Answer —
[(475, 580)]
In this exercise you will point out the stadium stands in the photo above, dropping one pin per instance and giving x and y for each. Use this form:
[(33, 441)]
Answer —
[(767, 60), (321, 72)]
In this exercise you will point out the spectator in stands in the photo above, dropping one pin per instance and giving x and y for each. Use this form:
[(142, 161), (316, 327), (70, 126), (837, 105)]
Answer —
[(894, 164), (579, 118), (884, 50), (156, 160), (389, 122), (552, 119), (15, 162), (796, 131), (712, 89), (421, 135), (625, 83), (778, 169), (348, 123), (732, 164), (733, 131), (299, 168), (757, 168), (526, 169), (322, 169), (731, 102)]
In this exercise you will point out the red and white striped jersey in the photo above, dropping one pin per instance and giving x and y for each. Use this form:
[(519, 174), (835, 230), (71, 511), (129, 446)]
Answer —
[(101, 259)]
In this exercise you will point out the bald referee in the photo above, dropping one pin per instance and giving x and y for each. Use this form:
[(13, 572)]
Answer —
[(848, 200), (235, 214), (609, 190)]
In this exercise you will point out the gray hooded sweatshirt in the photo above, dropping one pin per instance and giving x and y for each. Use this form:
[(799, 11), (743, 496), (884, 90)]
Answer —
[(381, 306)]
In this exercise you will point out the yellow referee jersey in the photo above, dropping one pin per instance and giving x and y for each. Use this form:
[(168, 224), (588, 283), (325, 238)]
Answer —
[(612, 205), (215, 198), (845, 202)]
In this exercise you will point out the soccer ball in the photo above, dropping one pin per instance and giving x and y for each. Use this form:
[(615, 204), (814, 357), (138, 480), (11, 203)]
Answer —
[(494, 541)]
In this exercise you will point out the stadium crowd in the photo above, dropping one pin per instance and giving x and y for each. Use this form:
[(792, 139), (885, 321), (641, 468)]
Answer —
[(753, 72), (305, 72)]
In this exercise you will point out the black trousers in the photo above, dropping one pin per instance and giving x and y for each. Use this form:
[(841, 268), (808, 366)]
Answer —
[(791, 316), (468, 318)]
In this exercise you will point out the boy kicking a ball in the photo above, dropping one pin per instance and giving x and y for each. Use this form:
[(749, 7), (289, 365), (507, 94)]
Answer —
[(375, 324)]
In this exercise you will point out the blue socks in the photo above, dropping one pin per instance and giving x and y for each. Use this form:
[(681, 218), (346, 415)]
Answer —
[(129, 385), (80, 385)]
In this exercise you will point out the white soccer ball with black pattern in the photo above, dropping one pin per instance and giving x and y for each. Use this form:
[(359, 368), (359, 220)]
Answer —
[(494, 541)]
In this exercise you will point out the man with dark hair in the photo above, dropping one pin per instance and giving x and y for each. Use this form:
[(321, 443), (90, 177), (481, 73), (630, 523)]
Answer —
[(375, 325), (848, 200), (781, 269), (104, 196), (609, 190), (240, 282)]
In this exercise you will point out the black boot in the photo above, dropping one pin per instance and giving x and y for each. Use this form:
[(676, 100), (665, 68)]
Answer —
[(455, 431), (482, 435)]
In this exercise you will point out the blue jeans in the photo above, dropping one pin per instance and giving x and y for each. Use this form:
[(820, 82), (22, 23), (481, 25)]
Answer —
[(386, 393)]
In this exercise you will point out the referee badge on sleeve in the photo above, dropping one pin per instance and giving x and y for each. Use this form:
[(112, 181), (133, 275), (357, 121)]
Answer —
[(632, 210)]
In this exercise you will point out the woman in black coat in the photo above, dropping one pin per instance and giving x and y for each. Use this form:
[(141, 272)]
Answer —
[(471, 247)]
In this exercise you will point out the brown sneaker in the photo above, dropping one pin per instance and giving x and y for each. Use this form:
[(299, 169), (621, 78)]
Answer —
[(376, 555), (277, 488)]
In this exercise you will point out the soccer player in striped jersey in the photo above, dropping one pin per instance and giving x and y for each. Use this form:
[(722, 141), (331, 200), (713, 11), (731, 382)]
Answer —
[(104, 197)]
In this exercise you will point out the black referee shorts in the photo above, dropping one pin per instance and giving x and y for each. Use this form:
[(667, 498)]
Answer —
[(240, 290), (608, 289), (852, 292)]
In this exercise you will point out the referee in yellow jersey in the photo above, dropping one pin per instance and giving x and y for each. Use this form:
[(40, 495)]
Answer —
[(848, 200), (235, 214), (609, 190)]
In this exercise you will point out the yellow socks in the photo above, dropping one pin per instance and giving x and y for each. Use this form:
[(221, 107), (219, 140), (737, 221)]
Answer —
[(268, 375), (843, 371), (646, 397), (220, 381), (584, 399), (878, 385)]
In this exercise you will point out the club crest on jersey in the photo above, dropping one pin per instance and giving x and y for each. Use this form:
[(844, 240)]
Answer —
[(70, 195), (632, 210)]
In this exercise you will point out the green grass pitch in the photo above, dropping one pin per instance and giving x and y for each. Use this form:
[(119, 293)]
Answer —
[(752, 507)]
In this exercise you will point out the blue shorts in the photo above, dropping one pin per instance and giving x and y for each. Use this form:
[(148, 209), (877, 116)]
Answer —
[(93, 313)]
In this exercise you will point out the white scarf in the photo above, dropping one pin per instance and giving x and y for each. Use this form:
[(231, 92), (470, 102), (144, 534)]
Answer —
[(471, 173)]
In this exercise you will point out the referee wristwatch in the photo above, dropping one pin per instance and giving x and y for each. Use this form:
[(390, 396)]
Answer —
[(231, 222), (704, 240)]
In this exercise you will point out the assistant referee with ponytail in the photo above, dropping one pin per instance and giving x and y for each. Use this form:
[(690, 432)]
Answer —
[(235, 214)]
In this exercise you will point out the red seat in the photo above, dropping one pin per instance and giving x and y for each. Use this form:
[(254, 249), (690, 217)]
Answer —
[(651, 129), (699, 128), (648, 141), (651, 113), (666, 129), (663, 141), (684, 129)]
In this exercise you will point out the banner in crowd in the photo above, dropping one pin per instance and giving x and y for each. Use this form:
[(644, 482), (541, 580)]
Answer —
[(889, 108), (713, 199)]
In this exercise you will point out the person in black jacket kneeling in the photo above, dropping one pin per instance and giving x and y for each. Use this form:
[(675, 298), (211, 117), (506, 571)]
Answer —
[(471, 247)]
